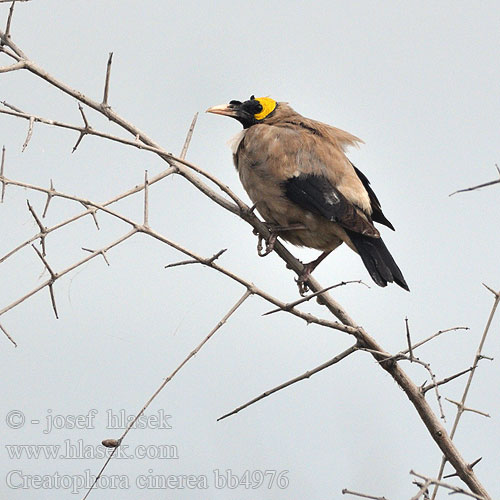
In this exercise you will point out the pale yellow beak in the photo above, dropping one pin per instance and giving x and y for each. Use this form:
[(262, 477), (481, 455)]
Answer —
[(223, 109)]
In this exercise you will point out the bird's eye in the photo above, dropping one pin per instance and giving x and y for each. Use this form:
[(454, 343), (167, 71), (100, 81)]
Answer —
[(236, 103)]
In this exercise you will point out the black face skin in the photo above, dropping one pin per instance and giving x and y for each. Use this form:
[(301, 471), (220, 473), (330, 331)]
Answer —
[(245, 111)]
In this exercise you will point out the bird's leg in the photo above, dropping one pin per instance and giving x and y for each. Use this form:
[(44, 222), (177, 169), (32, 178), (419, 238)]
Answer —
[(307, 270), (274, 231)]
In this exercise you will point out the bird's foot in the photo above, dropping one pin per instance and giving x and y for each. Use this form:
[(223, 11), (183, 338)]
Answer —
[(274, 231), (308, 268), (269, 244), (304, 277)]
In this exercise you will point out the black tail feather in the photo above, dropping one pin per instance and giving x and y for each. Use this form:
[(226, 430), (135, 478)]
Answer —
[(377, 260)]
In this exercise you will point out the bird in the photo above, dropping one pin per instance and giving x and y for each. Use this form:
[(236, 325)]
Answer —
[(296, 172)]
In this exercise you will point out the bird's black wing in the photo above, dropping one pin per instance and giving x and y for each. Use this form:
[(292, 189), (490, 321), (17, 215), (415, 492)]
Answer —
[(316, 194), (377, 214)]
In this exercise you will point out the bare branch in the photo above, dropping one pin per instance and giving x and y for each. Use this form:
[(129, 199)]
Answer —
[(194, 261), (178, 163), (9, 20), (446, 380), (89, 209), (305, 375), (53, 277), (408, 339), (454, 489), (422, 342), (496, 294), (82, 112), (435, 384), (102, 252), (471, 465), (362, 495), (106, 84), (12, 67), (188, 137), (210, 262), (2, 165), (168, 379), (30, 133), (84, 131), (146, 200), (461, 405), (10, 106), (496, 181), (50, 194), (462, 408), (42, 228), (6, 333), (291, 305), (65, 271)]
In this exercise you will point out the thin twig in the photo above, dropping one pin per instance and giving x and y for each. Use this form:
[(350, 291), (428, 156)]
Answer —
[(210, 262), (174, 161), (435, 384), (188, 137), (473, 188), (53, 277), (291, 305), (30, 133), (43, 229), (408, 339), (426, 388), (65, 271), (345, 491), (50, 194), (10, 106), (304, 376), (6, 333), (464, 408), (102, 252), (9, 20), (146, 200), (461, 406), (195, 261), (454, 489), (90, 210), (12, 67), (168, 379), (2, 165), (106, 84), (470, 466), (422, 342)]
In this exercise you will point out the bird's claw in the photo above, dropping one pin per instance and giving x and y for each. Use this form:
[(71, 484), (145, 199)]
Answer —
[(269, 244), (302, 280)]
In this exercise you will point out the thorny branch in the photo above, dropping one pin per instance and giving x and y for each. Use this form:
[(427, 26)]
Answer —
[(189, 171), (479, 186), (166, 381), (429, 481), (304, 376), (345, 491), (461, 405)]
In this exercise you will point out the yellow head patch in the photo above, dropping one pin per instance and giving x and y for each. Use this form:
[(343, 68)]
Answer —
[(268, 106)]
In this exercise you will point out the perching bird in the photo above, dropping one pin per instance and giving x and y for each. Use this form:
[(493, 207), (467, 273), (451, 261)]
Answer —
[(297, 174)]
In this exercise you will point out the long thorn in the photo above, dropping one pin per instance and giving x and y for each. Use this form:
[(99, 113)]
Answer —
[(106, 84)]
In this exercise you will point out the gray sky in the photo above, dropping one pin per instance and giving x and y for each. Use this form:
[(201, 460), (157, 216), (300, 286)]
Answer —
[(417, 81)]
